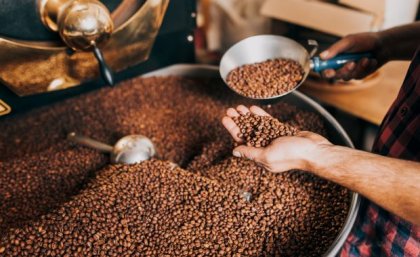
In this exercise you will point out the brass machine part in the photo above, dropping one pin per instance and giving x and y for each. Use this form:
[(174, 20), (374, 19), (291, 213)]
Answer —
[(80, 23), (30, 67), (83, 25)]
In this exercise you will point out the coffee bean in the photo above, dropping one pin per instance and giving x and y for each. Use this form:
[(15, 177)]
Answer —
[(260, 131), (266, 79)]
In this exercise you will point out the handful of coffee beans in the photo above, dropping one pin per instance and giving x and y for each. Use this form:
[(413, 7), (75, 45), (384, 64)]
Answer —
[(259, 131), (266, 79)]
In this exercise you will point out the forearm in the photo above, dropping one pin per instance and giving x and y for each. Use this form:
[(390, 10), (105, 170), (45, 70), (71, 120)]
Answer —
[(401, 42), (391, 183)]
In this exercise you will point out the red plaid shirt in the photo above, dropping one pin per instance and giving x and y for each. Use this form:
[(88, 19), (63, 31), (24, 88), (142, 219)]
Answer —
[(378, 232)]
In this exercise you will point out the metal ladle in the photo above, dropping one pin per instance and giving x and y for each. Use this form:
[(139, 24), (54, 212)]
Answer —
[(128, 150), (267, 47)]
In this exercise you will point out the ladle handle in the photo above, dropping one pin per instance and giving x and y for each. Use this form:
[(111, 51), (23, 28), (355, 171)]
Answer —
[(106, 72), (89, 142), (318, 65)]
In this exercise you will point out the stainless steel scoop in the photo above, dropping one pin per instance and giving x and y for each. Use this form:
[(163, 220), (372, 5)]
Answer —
[(128, 150), (265, 47)]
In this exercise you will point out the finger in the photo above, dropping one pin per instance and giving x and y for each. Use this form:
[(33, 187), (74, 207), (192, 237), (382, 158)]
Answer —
[(251, 153), (232, 112), (341, 46), (362, 69), (242, 109), (258, 111), (330, 73), (364, 62), (346, 71), (232, 128), (373, 66)]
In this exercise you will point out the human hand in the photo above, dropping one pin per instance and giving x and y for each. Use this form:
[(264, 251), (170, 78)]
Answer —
[(362, 42), (284, 153)]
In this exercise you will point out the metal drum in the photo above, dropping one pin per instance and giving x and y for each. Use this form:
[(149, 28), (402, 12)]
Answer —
[(336, 133)]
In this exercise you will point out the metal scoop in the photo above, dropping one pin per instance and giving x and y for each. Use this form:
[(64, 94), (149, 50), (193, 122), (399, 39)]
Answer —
[(128, 150), (265, 47)]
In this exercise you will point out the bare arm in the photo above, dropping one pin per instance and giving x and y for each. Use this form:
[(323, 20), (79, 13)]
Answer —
[(401, 42), (391, 183)]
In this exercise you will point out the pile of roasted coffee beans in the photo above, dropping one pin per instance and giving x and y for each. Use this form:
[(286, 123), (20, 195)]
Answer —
[(294, 198), (149, 209), (266, 79), (62, 199), (259, 131), (35, 184)]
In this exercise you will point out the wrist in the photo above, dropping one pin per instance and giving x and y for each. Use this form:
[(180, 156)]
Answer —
[(383, 43), (320, 158)]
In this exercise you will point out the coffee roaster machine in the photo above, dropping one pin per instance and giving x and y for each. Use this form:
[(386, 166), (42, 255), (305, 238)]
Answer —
[(54, 49)]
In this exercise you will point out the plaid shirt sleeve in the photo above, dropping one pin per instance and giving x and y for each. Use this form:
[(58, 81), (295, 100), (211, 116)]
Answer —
[(378, 232)]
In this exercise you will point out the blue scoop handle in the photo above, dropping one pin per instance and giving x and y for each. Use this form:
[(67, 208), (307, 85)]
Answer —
[(337, 62)]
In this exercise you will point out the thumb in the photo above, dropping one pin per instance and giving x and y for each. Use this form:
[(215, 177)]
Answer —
[(252, 153), (341, 46)]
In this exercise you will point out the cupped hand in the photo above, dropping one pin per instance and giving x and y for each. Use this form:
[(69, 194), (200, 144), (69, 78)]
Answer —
[(284, 153), (357, 43)]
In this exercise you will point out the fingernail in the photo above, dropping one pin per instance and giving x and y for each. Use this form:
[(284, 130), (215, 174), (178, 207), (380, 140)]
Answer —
[(329, 74), (351, 66), (236, 154), (324, 54), (365, 62)]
